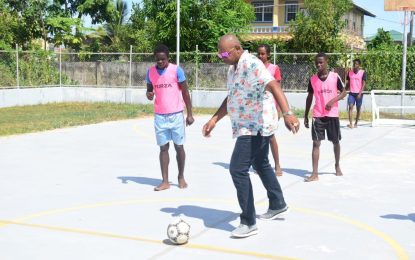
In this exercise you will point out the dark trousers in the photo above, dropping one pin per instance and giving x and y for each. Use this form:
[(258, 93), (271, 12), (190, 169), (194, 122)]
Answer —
[(253, 150)]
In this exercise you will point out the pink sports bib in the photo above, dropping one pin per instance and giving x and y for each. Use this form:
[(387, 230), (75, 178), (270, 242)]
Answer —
[(356, 81), (167, 92), (324, 91)]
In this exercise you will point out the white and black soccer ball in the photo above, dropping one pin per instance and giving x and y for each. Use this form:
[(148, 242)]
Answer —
[(178, 231)]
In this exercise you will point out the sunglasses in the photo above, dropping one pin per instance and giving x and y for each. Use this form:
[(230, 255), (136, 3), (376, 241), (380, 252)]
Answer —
[(225, 54)]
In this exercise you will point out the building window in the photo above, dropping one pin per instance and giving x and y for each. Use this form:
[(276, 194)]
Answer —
[(354, 26), (263, 11), (346, 24), (291, 10)]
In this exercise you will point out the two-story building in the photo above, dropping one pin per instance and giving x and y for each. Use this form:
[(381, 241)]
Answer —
[(272, 18)]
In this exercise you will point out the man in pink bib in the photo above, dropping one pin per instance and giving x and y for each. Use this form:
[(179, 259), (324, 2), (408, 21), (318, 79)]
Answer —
[(166, 83), (324, 86), (355, 82)]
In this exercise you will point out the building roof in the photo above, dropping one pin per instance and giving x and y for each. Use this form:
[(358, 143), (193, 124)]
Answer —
[(364, 11), (396, 36)]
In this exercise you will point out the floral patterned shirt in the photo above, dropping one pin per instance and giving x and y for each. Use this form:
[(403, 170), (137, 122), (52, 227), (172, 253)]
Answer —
[(250, 107)]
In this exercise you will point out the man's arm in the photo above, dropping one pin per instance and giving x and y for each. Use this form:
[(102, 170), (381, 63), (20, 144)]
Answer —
[(187, 101), (347, 82), (363, 85), (220, 113), (342, 94), (308, 103), (150, 93), (290, 120)]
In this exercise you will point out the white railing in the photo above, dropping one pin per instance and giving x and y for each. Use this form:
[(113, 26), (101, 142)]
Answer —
[(376, 120), (270, 29)]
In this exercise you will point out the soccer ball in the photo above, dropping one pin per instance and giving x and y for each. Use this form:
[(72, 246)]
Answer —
[(178, 231)]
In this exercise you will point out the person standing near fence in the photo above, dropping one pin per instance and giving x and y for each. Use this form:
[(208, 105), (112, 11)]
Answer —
[(166, 83), (355, 82), (264, 52), (253, 115), (325, 87)]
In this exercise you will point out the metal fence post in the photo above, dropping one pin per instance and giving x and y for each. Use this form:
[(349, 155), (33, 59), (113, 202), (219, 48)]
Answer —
[(17, 66), (131, 60), (197, 68), (275, 53), (60, 66)]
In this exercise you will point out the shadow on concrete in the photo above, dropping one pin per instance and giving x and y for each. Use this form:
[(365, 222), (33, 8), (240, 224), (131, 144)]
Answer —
[(224, 165), (302, 173), (212, 218), (410, 217), (140, 180)]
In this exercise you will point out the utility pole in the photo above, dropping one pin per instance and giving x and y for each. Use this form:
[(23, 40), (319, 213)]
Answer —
[(411, 28)]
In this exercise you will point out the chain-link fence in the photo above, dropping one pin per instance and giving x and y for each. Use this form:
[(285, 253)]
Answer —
[(204, 71)]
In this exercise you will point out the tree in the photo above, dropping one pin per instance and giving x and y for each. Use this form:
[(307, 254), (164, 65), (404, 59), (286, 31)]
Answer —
[(202, 21), (318, 28), (115, 25), (382, 38)]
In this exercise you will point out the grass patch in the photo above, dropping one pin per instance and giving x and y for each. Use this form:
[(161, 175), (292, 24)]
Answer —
[(28, 119)]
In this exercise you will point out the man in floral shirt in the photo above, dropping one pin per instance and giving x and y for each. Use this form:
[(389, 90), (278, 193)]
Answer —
[(254, 118)]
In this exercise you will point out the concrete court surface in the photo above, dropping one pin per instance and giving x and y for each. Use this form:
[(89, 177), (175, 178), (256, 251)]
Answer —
[(87, 193)]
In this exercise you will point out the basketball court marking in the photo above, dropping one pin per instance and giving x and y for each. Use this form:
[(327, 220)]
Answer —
[(398, 249)]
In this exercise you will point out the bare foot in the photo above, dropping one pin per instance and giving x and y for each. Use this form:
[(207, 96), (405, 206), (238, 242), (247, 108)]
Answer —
[(350, 126), (162, 186), (313, 177), (338, 171), (182, 183), (278, 171), (355, 125)]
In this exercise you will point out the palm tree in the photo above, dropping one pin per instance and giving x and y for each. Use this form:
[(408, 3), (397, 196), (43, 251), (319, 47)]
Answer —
[(116, 22)]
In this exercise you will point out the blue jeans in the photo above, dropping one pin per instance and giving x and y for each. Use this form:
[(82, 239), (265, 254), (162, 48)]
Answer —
[(253, 150)]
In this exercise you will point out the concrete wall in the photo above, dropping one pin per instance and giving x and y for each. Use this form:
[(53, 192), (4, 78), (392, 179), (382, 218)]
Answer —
[(201, 98)]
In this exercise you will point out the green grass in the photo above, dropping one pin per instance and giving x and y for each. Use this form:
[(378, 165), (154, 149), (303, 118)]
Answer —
[(28, 119)]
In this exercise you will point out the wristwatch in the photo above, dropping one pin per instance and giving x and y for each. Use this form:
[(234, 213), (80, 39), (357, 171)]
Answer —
[(288, 113)]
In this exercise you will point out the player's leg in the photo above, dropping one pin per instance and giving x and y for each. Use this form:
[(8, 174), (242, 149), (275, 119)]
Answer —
[(318, 128), (181, 158), (163, 136), (275, 154), (359, 103), (277, 203), (178, 137), (334, 135), (239, 168), (350, 103), (164, 165)]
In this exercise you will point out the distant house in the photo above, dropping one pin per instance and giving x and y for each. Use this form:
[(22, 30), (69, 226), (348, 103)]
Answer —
[(272, 18), (396, 36)]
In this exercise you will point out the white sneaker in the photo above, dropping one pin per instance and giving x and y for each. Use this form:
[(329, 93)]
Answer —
[(245, 231), (272, 214)]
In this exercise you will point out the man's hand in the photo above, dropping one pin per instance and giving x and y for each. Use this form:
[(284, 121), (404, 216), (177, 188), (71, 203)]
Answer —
[(189, 120), (306, 122), (292, 124), (329, 105), (359, 96), (150, 95), (208, 127)]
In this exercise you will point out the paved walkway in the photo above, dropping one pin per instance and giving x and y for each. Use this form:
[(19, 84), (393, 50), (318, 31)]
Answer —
[(87, 193)]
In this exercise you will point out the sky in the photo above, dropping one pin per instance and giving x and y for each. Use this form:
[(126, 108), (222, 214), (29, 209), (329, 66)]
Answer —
[(384, 19)]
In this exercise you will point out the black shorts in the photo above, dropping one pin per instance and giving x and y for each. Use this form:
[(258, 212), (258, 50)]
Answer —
[(322, 124)]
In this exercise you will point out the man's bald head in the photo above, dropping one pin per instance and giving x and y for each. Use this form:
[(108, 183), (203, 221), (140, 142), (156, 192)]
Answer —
[(229, 40), (229, 43)]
